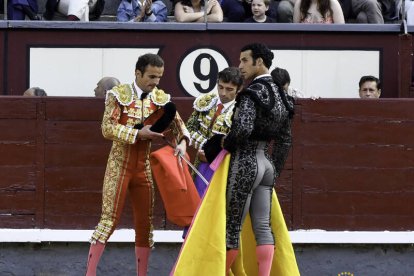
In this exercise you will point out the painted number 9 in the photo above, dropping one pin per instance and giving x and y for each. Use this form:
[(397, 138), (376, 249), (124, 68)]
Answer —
[(199, 70)]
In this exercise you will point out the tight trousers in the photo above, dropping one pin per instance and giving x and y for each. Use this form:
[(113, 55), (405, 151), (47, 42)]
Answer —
[(128, 171), (249, 189)]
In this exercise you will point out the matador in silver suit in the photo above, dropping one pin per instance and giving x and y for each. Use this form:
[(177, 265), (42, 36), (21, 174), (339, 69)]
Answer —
[(261, 121)]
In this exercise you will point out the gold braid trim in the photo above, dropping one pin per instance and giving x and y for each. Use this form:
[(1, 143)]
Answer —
[(102, 232)]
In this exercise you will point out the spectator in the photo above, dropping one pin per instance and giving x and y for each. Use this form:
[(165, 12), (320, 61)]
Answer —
[(389, 10), (18, 9), (236, 10), (392, 10), (363, 11), (105, 84), (259, 8), (196, 10), (285, 11), (282, 79), (369, 87), (80, 10), (320, 11), (240, 10), (142, 11), (34, 91)]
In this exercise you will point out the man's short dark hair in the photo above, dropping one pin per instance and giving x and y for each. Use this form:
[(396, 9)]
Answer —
[(280, 76), (364, 79), (260, 50), (231, 75), (39, 91), (148, 59)]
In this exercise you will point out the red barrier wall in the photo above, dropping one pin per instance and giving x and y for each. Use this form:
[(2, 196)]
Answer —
[(350, 167)]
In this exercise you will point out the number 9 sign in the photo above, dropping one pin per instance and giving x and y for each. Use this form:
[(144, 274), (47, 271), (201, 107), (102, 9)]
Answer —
[(199, 69)]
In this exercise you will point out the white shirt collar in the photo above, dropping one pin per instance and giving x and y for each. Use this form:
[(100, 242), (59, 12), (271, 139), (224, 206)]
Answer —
[(139, 90), (262, 76)]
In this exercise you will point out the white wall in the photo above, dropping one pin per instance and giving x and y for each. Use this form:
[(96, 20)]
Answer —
[(75, 71), (327, 74)]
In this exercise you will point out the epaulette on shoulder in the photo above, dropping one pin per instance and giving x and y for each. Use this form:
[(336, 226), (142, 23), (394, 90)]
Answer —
[(123, 93), (159, 97), (205, 102)]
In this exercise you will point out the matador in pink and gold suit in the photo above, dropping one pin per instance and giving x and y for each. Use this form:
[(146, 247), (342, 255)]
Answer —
[(128, 169)]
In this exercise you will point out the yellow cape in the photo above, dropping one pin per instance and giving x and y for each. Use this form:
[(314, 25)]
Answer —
[(204, 251)]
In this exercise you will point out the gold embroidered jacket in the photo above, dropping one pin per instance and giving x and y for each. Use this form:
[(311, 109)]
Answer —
[(199, 122), (123, 110)]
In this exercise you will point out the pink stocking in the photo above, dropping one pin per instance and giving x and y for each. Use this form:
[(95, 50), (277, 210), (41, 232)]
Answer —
[(95, 253), (142, 256), (230, 257), (264, 254)]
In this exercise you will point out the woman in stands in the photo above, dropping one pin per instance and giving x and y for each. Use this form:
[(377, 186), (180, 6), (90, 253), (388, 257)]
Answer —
[(198, 11), (318, 11)]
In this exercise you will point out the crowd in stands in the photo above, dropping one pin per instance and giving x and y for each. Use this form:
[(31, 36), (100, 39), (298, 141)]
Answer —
[(263, 11)]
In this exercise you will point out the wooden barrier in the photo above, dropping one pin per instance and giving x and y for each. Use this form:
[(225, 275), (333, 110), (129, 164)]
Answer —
[(350, 167)]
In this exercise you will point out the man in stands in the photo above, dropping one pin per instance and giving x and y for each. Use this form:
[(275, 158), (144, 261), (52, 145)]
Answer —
[(34, 91), (105, 84), (369, 87)]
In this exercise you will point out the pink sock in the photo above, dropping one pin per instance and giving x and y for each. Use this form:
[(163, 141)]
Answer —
[(264, 254), (142, 256), (95, 253), (230, 257)]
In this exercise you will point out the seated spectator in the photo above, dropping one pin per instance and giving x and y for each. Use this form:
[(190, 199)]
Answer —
[(392, 10), (318, 11), (363, 11), (142, 11), (282, 79), (236, 10), (240, 10), (18, 9), (193, 11), (389, 10), (259, 8), (79, 10), (369, 87), (285, 11), (105, 84), (34, 91)]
